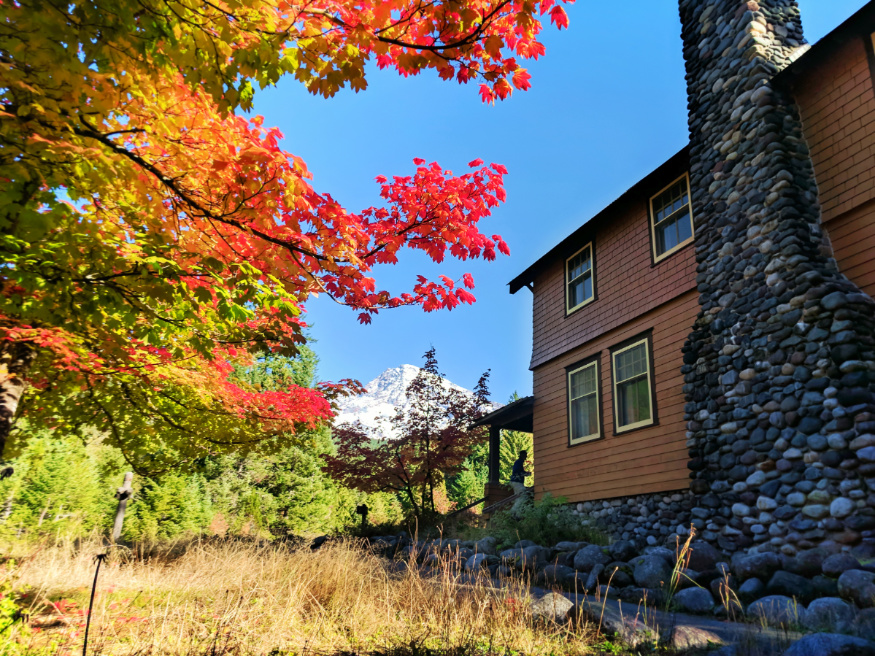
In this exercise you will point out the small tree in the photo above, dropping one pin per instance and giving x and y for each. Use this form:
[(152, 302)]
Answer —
[(433, 440)]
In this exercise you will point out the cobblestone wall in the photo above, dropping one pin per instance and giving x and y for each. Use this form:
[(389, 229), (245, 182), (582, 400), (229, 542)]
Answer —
[(645, 519), (780, 364)]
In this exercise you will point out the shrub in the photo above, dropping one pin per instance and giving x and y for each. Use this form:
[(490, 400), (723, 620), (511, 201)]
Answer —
[(547, 522)]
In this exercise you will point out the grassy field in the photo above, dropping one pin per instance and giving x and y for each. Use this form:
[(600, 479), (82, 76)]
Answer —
[(243, 598)]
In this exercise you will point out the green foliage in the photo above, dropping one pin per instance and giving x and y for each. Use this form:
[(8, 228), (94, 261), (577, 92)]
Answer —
[(13, 628), (512, 442), (56, 486), (174, 504), (547, 522), (467, 486)]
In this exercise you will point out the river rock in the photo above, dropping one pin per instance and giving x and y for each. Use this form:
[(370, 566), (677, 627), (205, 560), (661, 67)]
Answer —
[(588, 557), (791, 585), (486, 545), (831, 644), (623, 550), (651, 572), (557, 574), (694, 600), (692, 637), (829, 614), (703, 556), (776, 610), (858, 586), (759, 565), (839, 563), (552, 607)]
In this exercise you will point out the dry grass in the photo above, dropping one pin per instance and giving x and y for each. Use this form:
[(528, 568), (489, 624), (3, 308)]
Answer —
[(242, 598)]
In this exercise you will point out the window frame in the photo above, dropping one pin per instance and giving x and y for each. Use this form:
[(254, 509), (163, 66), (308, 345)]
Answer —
[(591, 246), (657, 258), (593, 360), (645, 338)]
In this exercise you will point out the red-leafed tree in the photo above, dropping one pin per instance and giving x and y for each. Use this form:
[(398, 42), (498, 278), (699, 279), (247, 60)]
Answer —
[(428, 440), (152, 239)]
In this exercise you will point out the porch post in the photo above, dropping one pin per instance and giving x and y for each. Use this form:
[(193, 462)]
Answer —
[(494, 461)]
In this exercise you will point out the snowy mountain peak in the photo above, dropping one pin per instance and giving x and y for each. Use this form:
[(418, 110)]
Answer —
[(385, 394)]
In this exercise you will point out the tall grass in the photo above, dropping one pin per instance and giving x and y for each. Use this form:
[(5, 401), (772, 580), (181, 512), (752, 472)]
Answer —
[(243, 598)]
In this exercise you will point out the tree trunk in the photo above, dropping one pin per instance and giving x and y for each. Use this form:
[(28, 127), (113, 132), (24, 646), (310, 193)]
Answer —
[(15, 361)]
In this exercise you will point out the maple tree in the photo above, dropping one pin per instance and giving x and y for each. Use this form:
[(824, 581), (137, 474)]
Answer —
[(428, 441), (153, 238)]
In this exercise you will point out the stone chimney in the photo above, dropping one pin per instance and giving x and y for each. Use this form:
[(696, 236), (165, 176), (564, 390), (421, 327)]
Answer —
[(780, 364)]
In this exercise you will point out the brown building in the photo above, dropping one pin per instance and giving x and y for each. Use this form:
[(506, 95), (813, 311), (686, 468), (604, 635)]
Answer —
[(615, 301)]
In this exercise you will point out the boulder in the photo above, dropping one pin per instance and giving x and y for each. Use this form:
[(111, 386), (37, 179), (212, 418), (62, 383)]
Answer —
[(486, 545), (552, 607), (751, 590), (511, 556), (758, 565), (536, 556), (596, 574), (476, 562), (791, 585), (651, 572), (569, 546), (858, 586), (864, 624), (557, 574), (619, 574), (691, 637), (838, 564), (829, 614), (703, 556), (831, 644), (665, 553), (825, 586), (622, 550), (694, 600), (776, 610), (649, 597), (586, 558), (609, 621), (522, 544), (808, 563)]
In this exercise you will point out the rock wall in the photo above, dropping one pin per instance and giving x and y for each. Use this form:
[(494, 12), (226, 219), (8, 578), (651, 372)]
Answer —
[(780, 364), (645, 519)]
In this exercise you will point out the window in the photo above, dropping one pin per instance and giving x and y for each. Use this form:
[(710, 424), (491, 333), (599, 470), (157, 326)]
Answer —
[(579, 279), (633, 385), (583, 402), (671, 218)]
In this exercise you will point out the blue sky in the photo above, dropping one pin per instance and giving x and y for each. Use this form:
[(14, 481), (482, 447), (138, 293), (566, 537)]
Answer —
[(607, 105)]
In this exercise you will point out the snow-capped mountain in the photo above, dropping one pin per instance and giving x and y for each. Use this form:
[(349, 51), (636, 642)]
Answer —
[(384, 396)]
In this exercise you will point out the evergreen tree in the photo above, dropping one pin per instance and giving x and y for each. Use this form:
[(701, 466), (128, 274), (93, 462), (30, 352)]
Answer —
[(56, 487)]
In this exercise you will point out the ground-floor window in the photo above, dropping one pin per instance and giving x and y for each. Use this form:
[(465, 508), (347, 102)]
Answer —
[(632, 376), (583, 401)]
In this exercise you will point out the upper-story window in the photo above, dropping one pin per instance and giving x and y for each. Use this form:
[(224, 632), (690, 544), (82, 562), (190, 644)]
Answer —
[(579, 279), (671, 218)]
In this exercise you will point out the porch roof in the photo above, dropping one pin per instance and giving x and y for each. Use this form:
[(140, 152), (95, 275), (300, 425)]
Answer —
[(516, 416)]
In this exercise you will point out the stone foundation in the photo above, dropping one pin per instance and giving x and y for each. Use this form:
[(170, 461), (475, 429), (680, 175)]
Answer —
[(645, 519), (661, 519)]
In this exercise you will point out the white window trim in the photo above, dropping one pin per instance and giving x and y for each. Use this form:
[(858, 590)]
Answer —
[(637, 424), (569, 310), (598, 401), (657, 257)]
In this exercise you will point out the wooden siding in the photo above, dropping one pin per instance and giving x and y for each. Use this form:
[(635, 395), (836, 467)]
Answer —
[(651, 459), (627, 285), (853, 241), (837, 104)]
